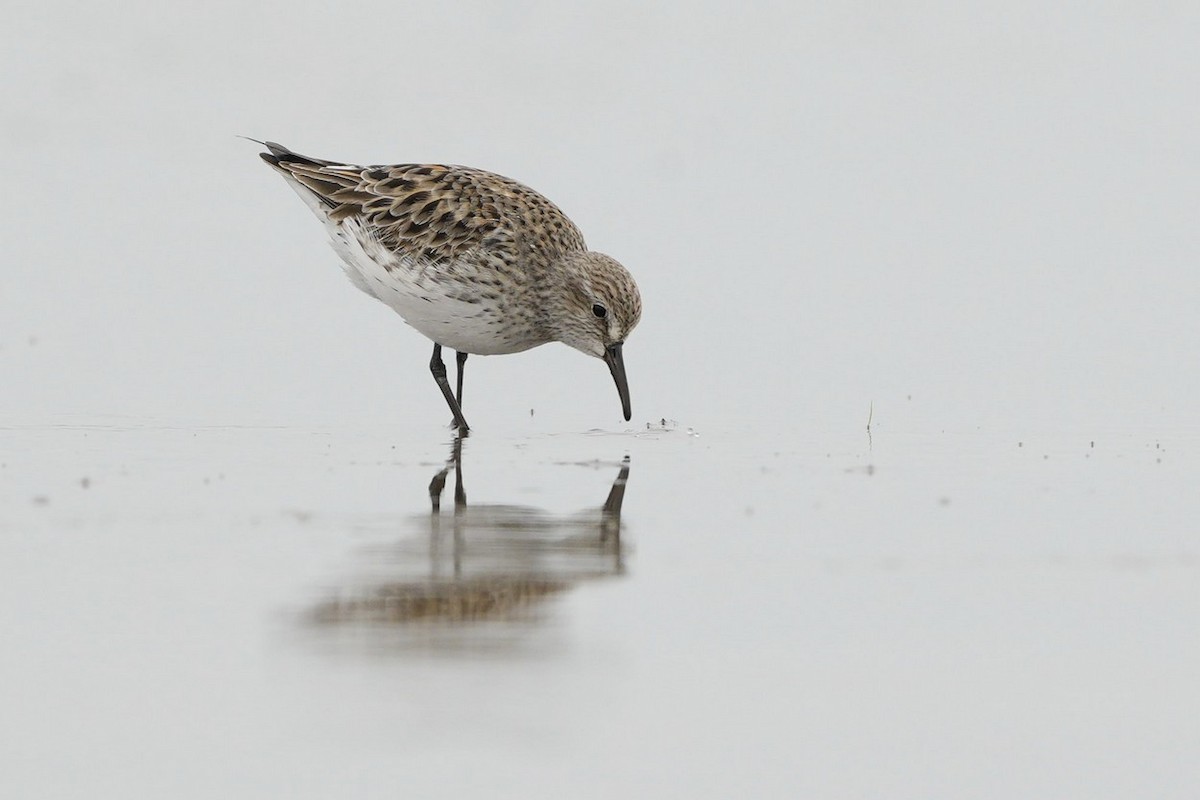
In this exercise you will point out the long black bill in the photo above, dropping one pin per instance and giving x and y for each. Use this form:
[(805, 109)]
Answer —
[(616, 365)]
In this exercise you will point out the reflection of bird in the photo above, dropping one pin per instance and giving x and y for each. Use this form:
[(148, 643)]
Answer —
[(477, 262), (503, 560)]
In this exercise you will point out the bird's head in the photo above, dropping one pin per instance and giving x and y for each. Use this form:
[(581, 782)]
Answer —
[(595, 307)]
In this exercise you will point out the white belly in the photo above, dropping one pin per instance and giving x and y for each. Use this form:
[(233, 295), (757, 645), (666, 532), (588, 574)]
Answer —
[(443, 310)]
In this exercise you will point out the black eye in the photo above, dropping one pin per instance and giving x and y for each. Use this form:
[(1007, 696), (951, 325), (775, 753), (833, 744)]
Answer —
[(600, 311)]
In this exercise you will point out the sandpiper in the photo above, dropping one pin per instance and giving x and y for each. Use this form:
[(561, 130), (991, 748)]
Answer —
[(477, 262)]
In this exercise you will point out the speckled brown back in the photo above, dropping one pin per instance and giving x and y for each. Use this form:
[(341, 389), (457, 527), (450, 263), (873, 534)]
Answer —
[(435, 212)]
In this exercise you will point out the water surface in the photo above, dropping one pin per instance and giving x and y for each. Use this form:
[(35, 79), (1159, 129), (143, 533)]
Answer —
[(764, 611)]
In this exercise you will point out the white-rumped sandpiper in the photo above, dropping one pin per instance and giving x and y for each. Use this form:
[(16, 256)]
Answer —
[(477, 262)]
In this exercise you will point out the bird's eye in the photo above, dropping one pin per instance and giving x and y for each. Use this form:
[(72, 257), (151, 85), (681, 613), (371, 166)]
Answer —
[(600, 311)]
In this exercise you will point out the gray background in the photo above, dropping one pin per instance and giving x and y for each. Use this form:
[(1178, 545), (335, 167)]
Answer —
[(974, 225)]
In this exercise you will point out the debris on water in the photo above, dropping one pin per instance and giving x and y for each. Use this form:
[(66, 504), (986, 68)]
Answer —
[(665, 425)]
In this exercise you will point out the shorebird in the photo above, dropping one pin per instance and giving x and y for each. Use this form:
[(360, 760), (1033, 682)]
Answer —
[(477, 262)]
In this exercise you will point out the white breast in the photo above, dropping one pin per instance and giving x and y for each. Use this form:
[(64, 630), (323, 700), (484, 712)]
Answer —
[(419, 291), (416, 290)]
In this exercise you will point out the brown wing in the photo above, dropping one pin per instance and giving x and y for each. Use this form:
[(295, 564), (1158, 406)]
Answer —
[(435, 211)]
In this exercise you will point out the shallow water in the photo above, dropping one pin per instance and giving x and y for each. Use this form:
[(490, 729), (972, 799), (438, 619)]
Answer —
[(224, 610), (221, 569)]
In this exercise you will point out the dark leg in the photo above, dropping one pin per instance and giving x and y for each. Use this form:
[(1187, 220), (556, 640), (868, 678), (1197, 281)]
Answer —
[(461, 358), (439, 374)]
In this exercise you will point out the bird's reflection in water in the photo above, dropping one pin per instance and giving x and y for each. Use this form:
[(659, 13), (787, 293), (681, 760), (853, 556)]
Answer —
[(483, 564)]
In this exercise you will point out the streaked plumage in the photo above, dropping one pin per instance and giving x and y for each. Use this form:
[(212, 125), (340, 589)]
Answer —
[(475, 261)]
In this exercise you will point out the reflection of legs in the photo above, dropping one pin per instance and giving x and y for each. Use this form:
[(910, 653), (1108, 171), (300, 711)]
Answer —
[(435, 521), (460, 492), (435, 489), (439, 374), (460, 505), (439, 480)]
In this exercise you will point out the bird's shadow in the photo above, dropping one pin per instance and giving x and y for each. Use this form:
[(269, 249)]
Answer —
[(473, 565)]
